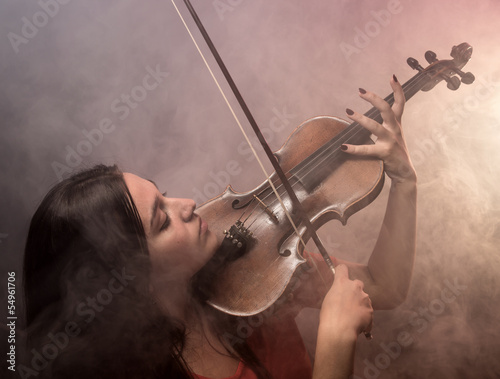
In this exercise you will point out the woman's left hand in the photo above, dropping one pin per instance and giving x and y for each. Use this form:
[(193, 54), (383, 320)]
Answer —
[(390, 146)]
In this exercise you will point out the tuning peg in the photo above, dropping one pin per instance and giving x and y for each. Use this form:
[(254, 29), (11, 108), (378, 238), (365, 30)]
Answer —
[(453, 82), (467, 77), (430, 56), (413, 63)]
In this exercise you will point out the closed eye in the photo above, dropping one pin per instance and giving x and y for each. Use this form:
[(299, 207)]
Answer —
[(166, 223), (167, 219)]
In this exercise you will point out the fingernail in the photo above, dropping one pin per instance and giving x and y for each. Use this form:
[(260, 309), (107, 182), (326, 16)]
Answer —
[(350, 112), (394, 77), (343, 147), (362, 91)]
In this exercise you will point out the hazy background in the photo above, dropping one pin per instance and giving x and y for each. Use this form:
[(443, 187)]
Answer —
[(291, 60)]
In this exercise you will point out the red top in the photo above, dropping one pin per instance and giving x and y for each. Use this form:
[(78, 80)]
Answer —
[(278, 343), (243, 372), (279, 347)]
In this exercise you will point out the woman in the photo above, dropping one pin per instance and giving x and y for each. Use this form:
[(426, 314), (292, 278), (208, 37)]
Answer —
[(113, 271)]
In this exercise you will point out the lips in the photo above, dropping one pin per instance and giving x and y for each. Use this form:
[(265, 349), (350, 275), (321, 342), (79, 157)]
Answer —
[(203, 226)]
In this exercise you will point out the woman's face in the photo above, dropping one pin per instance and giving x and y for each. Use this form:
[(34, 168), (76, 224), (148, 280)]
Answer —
[(179, 241)]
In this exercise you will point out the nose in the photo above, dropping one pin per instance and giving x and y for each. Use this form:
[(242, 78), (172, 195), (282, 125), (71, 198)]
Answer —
[(181, 208), (187, 207)]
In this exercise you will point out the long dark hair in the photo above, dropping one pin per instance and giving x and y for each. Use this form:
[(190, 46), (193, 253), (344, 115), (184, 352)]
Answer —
[(86, 280)]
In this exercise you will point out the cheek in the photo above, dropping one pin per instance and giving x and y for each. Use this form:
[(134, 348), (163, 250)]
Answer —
[(173, 252), (165, 250)]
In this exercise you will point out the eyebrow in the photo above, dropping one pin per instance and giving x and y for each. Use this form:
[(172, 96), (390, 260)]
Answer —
[(154, 210), (149, 180)]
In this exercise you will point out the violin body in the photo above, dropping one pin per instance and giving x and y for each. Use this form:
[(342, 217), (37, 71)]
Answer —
[(330, 190)]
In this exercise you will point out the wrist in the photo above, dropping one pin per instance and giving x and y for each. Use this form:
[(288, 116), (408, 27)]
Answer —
[(407, 183), (334, 331), (335, 349)]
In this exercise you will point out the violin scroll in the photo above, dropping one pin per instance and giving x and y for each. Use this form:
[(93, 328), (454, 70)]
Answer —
[(446, 70)]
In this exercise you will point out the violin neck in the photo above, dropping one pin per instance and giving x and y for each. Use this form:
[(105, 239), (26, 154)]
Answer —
[(410, 88), (324, 160), (356, 134)]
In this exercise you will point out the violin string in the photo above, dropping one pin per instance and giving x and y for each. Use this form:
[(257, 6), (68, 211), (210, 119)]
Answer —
[(351, 128), (246, 209), (351, 132), (251, 223), (416, 82), (357, 129), (411, 87), (252, 211), (241, 129)]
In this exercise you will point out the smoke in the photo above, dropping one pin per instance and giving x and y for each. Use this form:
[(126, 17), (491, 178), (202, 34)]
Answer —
[(78, 90)]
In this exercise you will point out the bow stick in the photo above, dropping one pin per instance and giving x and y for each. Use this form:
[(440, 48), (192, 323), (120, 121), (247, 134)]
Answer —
[(297, 206)]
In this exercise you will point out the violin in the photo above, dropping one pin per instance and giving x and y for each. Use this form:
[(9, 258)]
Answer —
[(265, 230), (261, 249)]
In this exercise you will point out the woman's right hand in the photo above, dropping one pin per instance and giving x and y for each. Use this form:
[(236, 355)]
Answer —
[(346, 307), (345, 313)]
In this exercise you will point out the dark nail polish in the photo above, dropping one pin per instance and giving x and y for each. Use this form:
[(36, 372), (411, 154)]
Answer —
[(395, 79), (350, 112), (343, 147), (362, 91)]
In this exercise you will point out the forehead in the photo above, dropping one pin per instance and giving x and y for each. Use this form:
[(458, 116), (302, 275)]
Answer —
[(137, 184), (143, 193)]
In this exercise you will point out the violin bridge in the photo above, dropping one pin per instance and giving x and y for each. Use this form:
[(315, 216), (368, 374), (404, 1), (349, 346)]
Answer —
[(266, 209)]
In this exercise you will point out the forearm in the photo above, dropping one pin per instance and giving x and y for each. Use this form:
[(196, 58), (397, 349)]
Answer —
[(388, 274), (334, 354)]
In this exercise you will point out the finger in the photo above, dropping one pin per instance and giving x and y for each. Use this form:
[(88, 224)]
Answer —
[(383, 106), (363, 150), (399, 98), (369, 328), (341, 271), (361, 286), (371, 125), (368, 301), (368, 331)]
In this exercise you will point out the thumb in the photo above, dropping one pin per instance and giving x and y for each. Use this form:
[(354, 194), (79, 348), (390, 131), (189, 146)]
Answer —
[(341, 271)]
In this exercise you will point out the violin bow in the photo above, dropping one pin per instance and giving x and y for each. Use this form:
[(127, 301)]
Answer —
[(297, 206)]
